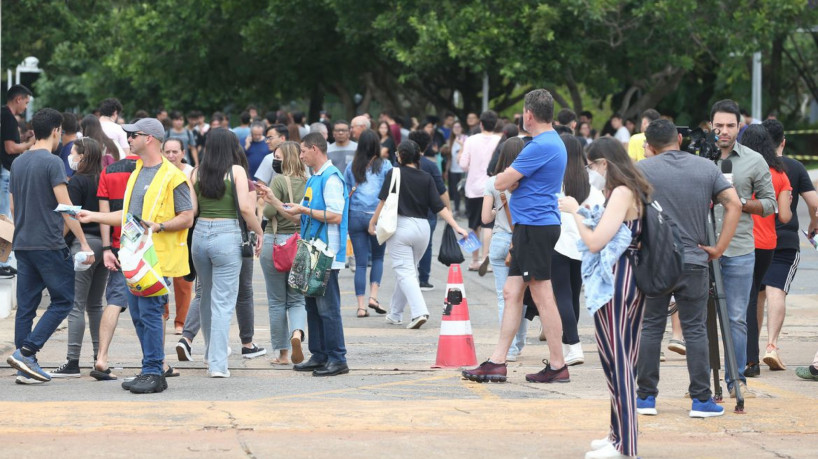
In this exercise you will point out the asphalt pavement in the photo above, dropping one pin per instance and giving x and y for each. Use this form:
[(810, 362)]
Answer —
[(392, 402)]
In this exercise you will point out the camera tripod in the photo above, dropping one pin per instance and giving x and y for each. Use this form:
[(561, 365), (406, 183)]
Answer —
[(717, 308)]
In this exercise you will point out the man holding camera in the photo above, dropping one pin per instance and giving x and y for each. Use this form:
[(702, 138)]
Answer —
[(684, 185), (753, 183)]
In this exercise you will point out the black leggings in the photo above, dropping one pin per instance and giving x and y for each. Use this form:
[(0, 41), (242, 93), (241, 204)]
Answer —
[(454, 192), (763, 259), (566, 281)]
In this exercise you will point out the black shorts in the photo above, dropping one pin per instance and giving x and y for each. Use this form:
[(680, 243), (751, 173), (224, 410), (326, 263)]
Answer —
[(782, 269), (474, 210), (531, 251)]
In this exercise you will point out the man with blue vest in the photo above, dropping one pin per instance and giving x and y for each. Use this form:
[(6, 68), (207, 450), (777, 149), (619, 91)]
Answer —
[(325, 203), (158, 193)]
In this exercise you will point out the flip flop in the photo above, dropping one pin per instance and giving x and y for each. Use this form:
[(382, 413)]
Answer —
[(374, 304), (171, 372), (297, 355), (484, 267), (101, 375), (278, 362)]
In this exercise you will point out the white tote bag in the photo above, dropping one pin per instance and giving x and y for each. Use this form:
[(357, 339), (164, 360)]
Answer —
[(388, 220)]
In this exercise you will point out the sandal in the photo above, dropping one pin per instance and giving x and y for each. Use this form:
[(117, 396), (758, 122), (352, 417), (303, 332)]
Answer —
[(365, 314), (484, 267), (297, 355), (103, 375), (475, 266), (171, 372), (374, 304)]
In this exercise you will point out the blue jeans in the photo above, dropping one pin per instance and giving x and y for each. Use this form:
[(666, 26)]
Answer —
[(326, 331), (5, 202), (217, 257), (38, 270), (285, 305), (364, 244), (498, 250), (737, 273), (147, 316), (425, 265)]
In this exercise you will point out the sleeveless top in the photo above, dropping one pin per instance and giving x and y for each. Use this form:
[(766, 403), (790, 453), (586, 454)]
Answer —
[(217, 208)]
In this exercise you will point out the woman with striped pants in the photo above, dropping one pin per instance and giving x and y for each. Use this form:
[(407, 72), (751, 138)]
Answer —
[(619, 321)]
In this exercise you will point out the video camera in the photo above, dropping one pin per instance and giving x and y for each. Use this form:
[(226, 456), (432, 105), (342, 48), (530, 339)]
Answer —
[(699, 142)]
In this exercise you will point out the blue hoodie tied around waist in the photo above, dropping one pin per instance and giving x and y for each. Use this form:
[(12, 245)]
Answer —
[(597, 268)]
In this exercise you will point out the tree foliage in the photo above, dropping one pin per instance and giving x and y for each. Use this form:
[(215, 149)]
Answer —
[(414, 56)]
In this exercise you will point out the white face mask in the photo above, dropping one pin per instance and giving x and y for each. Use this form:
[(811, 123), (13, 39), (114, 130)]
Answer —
[(596, 179), (73, 162)]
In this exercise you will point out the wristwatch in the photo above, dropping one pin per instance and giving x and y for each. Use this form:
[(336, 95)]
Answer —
[(743, 201), (161, 228), (106, 247)]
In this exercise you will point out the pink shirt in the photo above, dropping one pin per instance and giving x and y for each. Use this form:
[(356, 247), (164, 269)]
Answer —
[(474, 159)]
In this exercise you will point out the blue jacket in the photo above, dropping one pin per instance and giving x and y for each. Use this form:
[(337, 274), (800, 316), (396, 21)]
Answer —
[(597, 268), (314, 199)]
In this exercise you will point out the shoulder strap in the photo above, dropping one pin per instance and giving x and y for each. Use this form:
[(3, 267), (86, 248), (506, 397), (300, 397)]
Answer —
[(289, 186), (508, 212)]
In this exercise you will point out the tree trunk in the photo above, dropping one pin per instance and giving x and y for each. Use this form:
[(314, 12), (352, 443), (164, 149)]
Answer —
[(773, 74), (316, 104), (663, 85), (573, 88)]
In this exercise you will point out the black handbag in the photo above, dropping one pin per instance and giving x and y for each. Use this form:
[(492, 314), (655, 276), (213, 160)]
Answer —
[(246, 243)]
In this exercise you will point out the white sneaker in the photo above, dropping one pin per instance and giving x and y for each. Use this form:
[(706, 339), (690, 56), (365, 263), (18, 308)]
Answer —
[(219, 374), (606, 451), (601, 443), (417, 322), (511, 358), (392, 321), (573, 354)]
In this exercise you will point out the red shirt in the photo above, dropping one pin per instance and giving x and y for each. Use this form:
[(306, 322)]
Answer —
[(764, 227), (112, 184)]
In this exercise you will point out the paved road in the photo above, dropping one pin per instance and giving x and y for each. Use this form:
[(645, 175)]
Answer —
[(392, 402)]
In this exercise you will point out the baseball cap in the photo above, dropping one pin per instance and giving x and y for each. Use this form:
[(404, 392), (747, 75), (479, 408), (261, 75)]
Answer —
[(151, 126)]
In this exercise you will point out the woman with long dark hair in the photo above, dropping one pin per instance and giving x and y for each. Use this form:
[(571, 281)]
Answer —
[(220, 183), (495, 211), (286, 307), (365, 177), (91, 128), (388, 146), (89, 285), (619, 321), (757, 138), (416, 196), (566, 264)]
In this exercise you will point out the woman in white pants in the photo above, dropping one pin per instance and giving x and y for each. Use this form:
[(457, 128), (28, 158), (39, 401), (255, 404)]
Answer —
[(416, 195)]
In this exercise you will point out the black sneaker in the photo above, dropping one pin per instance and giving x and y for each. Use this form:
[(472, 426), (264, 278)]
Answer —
[(70, 369), (753, 370), (183, 351), (149, 384), (7, 272), (252, 352), (128, 382), (425, 286)]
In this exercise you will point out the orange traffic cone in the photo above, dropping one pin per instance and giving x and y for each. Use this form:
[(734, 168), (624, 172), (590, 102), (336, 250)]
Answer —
[(455, 347)]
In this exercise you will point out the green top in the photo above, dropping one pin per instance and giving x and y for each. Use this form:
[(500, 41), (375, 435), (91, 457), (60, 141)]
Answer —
[(217, 208), (280, 191), (752, 180)]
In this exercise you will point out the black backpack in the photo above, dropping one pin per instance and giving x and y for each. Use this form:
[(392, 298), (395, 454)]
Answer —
[(659, 261)]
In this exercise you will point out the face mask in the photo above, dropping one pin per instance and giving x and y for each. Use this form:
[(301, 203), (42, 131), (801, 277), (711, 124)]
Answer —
[(596, 179), (277, 166), (73, 162)]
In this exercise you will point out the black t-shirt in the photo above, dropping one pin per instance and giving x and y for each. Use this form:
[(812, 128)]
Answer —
[(418, 193), (82, 189), (8, 131), (801, 183)]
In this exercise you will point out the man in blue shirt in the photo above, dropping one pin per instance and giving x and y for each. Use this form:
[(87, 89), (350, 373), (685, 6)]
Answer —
[(535, 179)]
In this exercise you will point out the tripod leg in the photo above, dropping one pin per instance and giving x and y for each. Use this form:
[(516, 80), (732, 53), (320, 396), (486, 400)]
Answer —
[(713, 343)]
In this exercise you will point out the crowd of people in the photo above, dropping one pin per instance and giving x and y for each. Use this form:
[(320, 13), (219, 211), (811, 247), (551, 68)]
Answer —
[(557, 207)]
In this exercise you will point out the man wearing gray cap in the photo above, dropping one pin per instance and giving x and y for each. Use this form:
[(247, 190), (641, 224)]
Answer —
[(157, 192)]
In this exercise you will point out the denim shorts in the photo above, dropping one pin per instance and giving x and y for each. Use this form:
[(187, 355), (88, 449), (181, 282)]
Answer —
[(117, 290)]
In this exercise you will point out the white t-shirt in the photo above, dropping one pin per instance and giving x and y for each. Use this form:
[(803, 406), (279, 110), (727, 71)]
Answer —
[(569, 234), (623, 135), (117, 134)]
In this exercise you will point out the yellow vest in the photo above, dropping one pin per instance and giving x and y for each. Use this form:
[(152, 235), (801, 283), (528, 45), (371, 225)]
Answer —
[(171, 246)]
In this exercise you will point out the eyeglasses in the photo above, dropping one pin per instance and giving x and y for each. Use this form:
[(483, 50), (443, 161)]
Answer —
[(132, 135), (340, 130)]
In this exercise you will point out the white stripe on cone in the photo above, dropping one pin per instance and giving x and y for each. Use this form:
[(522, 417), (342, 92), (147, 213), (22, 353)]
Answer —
[(455, 328)]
